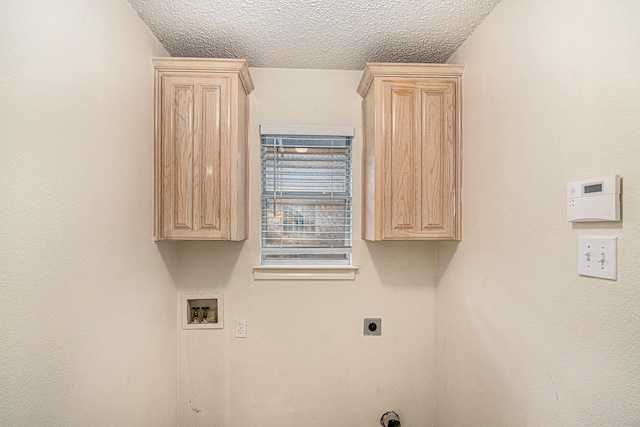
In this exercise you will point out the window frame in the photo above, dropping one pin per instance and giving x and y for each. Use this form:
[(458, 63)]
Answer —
[(325, 266)]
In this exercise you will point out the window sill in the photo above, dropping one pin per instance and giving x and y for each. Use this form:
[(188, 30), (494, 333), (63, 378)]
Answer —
[(304, 272)]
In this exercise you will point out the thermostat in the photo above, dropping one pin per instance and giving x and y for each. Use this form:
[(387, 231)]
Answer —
[(596, 199)]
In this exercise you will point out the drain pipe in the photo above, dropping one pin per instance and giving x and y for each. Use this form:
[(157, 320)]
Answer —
[(390, 419)]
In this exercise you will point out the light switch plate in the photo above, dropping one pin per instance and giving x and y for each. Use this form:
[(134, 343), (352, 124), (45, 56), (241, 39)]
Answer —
[(598, 256)]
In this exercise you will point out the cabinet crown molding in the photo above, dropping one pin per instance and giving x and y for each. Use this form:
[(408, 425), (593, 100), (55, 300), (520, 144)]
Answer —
[(219, 65), (397, 69)]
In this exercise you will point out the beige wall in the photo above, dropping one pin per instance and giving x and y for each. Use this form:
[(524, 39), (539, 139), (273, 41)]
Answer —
[(87, 300), (551, 95), (305, 361), (88, 307)]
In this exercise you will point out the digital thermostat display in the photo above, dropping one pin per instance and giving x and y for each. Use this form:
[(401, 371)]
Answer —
[(596, 199), (595, 188)]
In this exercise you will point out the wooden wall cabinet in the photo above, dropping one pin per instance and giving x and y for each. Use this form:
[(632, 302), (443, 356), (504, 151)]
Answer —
[(201, 153), (411, 151)]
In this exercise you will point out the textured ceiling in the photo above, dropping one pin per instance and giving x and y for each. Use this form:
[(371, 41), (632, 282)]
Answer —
[(328, 34)]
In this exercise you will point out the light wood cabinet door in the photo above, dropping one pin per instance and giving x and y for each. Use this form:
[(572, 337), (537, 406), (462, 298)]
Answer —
[(411, 159), (200, 166), (192, 146)]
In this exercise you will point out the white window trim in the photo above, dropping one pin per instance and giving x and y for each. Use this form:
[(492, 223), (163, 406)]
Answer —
[(306, 272), (302, 272), (312, 130)]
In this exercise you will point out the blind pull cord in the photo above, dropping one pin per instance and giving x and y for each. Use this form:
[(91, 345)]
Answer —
[(275, 177), (331, 157)]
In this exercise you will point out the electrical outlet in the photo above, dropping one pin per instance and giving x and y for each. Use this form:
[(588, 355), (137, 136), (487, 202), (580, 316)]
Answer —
[(241, 329), (372, 326)]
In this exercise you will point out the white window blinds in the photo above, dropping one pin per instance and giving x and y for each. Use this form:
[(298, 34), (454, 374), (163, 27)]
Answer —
[(306, 199)]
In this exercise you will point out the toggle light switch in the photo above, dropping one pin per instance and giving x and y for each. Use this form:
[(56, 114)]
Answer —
[(597, 256)]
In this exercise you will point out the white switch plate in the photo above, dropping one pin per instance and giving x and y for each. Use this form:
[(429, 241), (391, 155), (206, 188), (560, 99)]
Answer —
[(241, 329), (598, 256)]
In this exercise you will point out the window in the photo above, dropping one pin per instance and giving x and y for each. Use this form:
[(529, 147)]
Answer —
[(306, 195)]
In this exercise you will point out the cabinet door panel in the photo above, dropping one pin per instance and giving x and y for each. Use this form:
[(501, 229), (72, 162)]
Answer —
[(178, 167), (419, 165), (193, 135), (211, 154), (401, 162), (432, 209), (438, 158)]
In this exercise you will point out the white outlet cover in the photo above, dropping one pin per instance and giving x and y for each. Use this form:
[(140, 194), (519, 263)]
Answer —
[(598, 256), (241, 329)]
